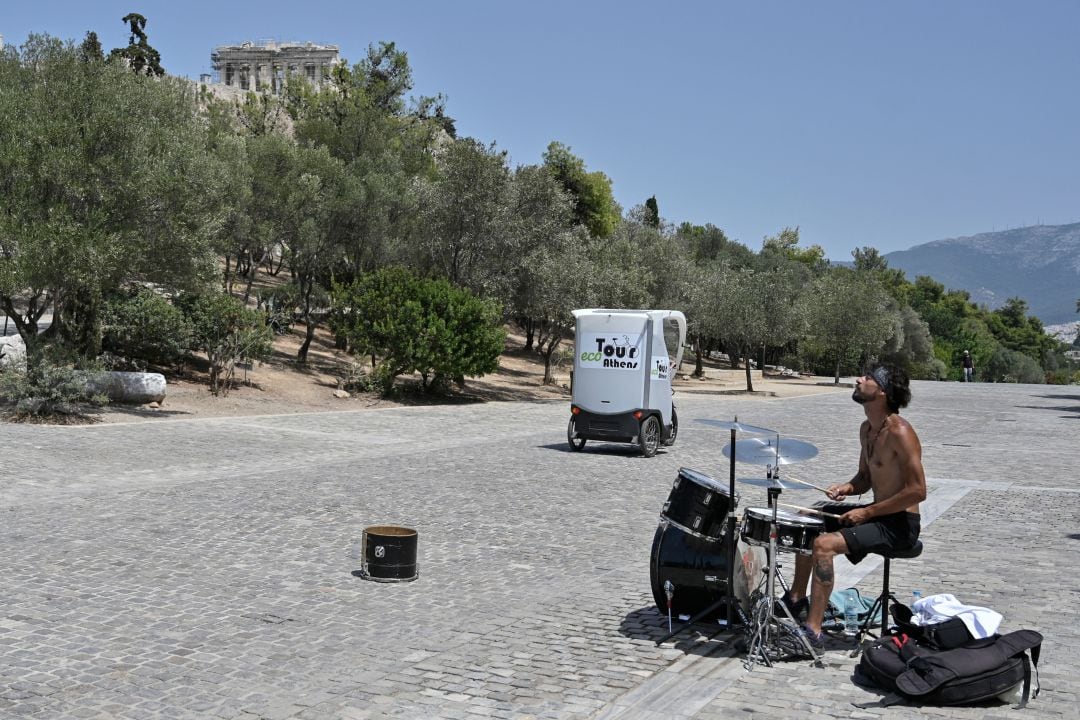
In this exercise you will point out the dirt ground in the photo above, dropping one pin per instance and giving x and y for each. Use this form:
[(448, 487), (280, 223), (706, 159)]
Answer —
[(279, 386)]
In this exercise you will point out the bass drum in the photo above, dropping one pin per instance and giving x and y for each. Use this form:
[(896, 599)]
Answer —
[(697, 569)]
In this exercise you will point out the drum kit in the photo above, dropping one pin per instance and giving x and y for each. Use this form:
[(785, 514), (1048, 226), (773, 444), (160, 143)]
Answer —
[(700, 571)]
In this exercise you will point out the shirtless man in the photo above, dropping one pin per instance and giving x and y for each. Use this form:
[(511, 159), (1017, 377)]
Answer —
[(890, 464)]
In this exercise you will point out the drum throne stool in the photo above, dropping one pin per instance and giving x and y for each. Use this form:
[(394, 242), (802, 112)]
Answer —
[(882, 600)]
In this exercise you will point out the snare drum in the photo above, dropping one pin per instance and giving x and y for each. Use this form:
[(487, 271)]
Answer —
[(698, 505), (794, 532)]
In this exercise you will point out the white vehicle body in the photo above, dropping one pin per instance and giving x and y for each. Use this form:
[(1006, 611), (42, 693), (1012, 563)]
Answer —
[(623, 364)]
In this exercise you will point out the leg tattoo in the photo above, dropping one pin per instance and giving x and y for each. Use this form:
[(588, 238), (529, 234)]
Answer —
[(823, 572)]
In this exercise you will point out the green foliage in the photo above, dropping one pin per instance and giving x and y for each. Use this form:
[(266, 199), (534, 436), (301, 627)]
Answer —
[(931, 369), (228, 332), (594, 202), (786, 244), (1009, 366), (106, 181), (911, 346), (868, 259), (90, 49), (300, 201), (357, 379), (418, 325), (850, 318), (278, 304), (652, 212), (109, 179), (466, 231), (1016, 330), (145, 327), (47, 387), (747, 309), (261, 113), (360, 115), (139, 55), (708, 243), (550, 277)]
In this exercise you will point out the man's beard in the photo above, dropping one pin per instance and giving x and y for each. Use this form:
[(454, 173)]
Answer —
[(859, 397)]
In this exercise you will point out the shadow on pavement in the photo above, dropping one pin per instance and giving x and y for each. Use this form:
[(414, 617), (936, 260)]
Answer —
[(704, 638), (1075, 409), (599, 447)]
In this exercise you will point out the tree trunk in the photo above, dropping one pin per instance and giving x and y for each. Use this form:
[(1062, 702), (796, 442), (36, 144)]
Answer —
[(301, 354), (281, 261), (749, 381), (306, 284), (80, 322), (253, 267), (529, 325), (547, 351), (836, 373), (26, 325), (226, 283), (247, 288), (699, 363)]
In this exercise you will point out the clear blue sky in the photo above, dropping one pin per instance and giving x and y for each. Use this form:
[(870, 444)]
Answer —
[(864, 123)]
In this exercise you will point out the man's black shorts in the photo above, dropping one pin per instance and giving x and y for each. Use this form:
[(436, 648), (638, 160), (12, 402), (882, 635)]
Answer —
[(898, 531)]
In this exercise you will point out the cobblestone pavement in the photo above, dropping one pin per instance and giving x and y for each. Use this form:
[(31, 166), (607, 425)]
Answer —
[(191, 569)]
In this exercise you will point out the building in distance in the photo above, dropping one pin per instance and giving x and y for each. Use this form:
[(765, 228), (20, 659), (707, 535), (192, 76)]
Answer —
[(264, 66)]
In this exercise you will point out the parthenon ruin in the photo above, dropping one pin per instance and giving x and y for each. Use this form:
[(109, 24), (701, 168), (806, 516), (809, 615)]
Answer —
[(265, 65)]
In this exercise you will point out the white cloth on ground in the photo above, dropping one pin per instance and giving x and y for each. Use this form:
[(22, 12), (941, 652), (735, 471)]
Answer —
[(981, 622)]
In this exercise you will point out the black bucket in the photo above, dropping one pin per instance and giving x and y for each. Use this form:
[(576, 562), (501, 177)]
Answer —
[(388, 554)]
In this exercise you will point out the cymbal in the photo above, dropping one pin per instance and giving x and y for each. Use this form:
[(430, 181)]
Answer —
[(762, 451), (737, 426), (771, 483)]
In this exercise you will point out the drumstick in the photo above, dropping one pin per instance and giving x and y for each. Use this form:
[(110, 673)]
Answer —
[(812, 511), (803, 482)]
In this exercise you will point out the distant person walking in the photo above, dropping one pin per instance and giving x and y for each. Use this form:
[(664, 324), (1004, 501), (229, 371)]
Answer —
[(968, 364)]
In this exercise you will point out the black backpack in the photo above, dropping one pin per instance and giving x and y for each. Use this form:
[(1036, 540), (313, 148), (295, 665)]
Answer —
[(981, 670), (944, 635)]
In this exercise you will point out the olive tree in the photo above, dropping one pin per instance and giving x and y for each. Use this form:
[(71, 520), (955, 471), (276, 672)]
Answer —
[(464, 234), (104, 180), (849, 317)]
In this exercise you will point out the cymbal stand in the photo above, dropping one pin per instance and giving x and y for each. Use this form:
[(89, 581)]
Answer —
[(771, 636), (732, 603)]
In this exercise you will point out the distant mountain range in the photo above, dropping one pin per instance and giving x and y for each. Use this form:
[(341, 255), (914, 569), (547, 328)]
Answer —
[(1040, 264)]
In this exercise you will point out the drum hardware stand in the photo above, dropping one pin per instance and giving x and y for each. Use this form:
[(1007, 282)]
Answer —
[(732, 551), (731, 601), (669, 590), (769, 633)]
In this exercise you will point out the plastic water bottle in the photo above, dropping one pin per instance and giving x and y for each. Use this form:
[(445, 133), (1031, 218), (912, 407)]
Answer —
[(851, 616), (916, 596)]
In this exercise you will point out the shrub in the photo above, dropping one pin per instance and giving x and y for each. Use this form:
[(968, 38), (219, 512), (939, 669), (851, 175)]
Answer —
[(419, 325), (932, 369), (228, 332), (1010, 366), (357, 379), (278, 303), (47, 388), (146, 327)]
